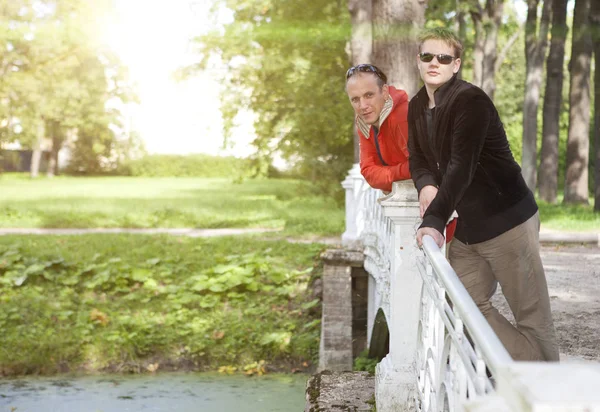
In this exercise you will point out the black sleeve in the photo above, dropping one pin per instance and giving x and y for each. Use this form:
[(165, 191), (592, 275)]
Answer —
[(472, 116)]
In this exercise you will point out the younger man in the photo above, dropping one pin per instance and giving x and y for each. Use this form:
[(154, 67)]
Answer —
[(460, 160)]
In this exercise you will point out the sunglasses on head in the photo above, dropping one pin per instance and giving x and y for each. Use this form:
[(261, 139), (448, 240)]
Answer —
[(441, 58), (366, 68)]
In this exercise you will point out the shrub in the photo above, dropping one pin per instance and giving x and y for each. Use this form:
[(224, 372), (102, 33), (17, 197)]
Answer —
[(197, 165)]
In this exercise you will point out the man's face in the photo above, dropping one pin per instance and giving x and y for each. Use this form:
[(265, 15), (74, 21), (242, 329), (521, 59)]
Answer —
[(434, 73), (366, 97)]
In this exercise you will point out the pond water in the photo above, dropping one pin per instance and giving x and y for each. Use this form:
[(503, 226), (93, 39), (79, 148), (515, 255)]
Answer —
[(182, 392)]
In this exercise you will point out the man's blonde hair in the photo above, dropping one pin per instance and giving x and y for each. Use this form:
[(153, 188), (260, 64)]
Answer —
[(443, 34)]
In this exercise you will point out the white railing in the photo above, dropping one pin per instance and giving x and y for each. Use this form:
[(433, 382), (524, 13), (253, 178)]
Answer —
[(451, 367), (442, 350), (370, 232), (376, 238)]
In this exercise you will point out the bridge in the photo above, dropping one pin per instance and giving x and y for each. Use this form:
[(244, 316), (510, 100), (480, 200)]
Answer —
[(437, 351)]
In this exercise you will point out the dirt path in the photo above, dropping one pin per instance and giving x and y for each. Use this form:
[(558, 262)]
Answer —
[(573, 274), (191, 232)]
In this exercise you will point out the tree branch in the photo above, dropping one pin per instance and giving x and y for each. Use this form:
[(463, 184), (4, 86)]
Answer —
[(507, 47)]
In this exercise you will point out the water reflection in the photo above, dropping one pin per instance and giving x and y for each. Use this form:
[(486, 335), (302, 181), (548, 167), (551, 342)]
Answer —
[(205, 392)]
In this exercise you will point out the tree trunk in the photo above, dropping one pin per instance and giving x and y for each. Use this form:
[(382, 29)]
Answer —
[(548, 172), (576, 180), (477, 17), (361, 43), (535, 51), (595, 26), (57, 137), (494, 10), (52, 161), (36, 156), (395, 27), (461, 28), (487, 24)]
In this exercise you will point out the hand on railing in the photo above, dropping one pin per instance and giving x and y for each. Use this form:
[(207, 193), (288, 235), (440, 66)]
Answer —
[(437, 237)]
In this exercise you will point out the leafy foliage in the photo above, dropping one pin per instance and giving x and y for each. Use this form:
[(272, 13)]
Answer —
[(60, 312), (286, 62)]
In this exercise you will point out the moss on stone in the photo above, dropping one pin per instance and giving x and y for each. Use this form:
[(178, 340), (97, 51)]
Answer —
[(314, 391)]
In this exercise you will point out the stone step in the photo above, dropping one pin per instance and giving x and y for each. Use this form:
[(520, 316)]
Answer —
[(340, 391)]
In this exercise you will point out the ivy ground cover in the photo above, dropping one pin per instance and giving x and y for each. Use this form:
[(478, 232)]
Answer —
[(139, 302)]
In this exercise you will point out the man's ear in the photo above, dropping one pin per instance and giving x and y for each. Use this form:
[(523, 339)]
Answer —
[(457, 63), (386, 91)]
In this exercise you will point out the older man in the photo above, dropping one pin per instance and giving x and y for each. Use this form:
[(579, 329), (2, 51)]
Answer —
[(381, 112)]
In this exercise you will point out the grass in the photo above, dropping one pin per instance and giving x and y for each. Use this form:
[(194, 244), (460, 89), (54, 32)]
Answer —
[(135, 202), (135, 302), (571, 218)]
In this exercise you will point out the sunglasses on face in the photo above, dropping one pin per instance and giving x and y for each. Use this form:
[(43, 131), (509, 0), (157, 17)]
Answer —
[(441, 58), (366, 68)]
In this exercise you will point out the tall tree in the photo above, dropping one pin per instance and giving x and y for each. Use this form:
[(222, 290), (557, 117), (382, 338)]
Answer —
[(361, 43), (548, 171), (395, 27), (487, 19), (56, 75), (595, 25), (460, 26), (536, 41), (578, 140)]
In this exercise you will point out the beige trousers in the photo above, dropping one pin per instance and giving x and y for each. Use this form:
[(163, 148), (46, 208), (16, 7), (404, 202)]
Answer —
[(513, 260)]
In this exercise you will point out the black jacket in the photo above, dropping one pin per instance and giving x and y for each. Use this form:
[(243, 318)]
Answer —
[(468, 158)]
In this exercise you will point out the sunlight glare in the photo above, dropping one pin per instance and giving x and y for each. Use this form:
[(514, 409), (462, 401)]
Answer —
[(152, 39)]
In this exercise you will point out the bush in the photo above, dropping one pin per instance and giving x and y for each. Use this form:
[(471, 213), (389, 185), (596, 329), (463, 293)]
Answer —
[(198, 165)]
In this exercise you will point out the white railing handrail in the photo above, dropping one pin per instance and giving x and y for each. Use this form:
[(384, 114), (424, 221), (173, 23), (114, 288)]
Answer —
[(486, 340)]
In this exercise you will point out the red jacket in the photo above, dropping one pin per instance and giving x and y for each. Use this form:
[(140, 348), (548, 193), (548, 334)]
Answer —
[(392, 139)]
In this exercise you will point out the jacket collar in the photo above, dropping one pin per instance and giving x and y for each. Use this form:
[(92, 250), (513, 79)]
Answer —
[(441, 94)]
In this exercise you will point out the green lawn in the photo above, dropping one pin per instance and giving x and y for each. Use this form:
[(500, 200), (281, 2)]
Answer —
[(70, 202), (569, 218), (136, 202)]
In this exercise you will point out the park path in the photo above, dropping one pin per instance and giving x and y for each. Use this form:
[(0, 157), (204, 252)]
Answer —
[(191, 232), (573, 276)]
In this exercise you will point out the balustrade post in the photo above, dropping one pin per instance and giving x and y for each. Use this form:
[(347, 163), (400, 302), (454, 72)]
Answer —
[(352, 185), (395, 377)]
